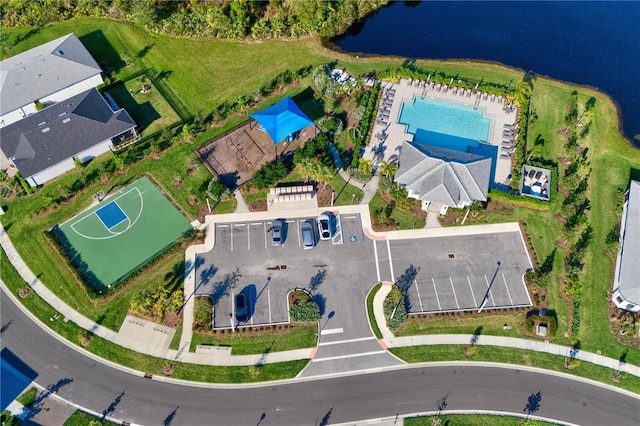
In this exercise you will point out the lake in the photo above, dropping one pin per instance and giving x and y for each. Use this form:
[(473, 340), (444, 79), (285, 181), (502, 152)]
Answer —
[(588, 43)]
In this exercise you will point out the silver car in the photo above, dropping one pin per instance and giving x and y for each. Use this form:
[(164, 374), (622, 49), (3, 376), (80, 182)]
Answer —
[(308, 234), (277, 233)]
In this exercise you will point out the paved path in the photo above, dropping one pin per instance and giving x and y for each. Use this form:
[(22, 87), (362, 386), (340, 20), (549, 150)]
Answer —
[(241, 207), (222, 356)]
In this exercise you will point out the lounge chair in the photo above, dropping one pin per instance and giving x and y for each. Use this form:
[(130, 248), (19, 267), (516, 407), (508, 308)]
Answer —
[(538, 175), (505, 155), (532, 173)]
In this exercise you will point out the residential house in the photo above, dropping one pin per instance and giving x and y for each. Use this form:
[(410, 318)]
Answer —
[(49, 73), (626, 283), (47, 144)]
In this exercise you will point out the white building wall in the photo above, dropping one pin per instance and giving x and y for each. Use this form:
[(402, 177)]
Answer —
[(69, 164), (59, 96)]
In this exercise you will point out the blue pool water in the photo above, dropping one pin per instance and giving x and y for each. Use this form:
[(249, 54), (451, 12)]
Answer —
[(444, 124)]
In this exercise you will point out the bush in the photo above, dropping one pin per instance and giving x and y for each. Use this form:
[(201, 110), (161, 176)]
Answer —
[(394, 305), (269, 174), (305, 312)]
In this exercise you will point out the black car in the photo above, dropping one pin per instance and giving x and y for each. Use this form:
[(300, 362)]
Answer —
[(242, 307)]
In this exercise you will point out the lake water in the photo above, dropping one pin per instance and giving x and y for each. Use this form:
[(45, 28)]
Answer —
[(588, 43)]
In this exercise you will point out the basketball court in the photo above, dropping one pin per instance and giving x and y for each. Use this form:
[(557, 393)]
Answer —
[(121, 233)]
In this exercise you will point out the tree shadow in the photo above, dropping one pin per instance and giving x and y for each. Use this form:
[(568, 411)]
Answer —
[(476, 336), (5, 327), (38, 404), (22, 37), (167, 421), (112, 407), (321, 301), (575, 349), (404, 281), (223, 288), (442, 404), (533, 403), (143, 52), (325, 420), (317, 280)]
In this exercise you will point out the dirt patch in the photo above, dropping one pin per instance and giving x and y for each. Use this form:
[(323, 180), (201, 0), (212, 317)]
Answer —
[(563, 190), (324, 194), (563, 244), (258, 205), (624, 326), (560, 218)]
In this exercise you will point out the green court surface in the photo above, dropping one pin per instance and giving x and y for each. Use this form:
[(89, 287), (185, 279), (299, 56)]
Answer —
[(120, 234)]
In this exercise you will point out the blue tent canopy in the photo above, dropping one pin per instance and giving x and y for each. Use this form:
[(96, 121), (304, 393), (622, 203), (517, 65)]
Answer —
[(282, 119)]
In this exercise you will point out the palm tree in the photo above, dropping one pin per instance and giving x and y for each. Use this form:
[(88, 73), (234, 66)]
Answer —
[(324, 175), (522, 92), (388, 169), (364, 166), (306, 168)]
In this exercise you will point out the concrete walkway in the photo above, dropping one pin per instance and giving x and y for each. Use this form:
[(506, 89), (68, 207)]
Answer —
[(222, 356), (241, 206)]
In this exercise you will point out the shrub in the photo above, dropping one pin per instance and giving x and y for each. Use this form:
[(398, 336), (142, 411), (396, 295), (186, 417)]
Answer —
[(269, 174), (394, 305), (305, 312)]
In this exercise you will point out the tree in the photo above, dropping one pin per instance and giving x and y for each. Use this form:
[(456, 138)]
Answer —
[(324, 175), (217, 190), (388, 170), (364, 166), (306, 168), (522, 92)]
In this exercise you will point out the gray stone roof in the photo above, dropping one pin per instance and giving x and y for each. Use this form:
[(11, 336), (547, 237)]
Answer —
[(628, 281), (59, 132), (43, 70), (443, 175)]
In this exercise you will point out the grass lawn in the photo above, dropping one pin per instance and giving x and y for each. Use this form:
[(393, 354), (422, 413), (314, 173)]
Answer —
[(403, 220), (467, 323), (434, 353), (149, 110), (472, 420), (245, 342), (78, 418), (372, 319), (346, 192)]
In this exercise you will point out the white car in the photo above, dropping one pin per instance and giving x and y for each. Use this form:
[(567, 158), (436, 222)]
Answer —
[(324, 226)]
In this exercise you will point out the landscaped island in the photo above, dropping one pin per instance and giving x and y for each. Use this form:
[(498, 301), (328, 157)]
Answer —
[(183, 97)]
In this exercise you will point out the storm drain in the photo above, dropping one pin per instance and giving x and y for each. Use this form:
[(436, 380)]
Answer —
[(451, 255)]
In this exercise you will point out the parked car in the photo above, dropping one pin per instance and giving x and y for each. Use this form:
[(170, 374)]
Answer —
[(242, 307), (324, 226), (277, 233), (308, 234)]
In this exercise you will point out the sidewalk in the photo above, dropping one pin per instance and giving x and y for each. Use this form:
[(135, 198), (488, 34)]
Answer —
[(222, 356)]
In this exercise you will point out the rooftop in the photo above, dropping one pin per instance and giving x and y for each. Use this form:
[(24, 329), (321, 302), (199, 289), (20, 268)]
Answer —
[(629, 267), (43, 70)]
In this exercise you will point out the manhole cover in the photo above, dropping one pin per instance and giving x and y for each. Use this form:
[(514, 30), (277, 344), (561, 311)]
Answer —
[(452, 256)]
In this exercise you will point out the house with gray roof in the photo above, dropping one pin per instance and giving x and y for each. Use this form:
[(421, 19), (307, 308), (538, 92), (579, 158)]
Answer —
[(46, 144), (441, 177), (49, 73), (626, 285)]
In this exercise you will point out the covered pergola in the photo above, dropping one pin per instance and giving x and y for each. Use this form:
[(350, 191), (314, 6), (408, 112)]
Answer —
[(282, 120)]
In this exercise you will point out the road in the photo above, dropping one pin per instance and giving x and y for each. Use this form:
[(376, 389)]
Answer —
[(99, 387)]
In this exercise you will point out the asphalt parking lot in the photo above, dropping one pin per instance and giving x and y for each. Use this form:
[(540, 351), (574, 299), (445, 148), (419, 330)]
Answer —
[(464, 272), (243, 260)]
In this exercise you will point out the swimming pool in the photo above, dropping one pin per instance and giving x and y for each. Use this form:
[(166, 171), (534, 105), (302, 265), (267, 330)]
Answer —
[(445, 124)]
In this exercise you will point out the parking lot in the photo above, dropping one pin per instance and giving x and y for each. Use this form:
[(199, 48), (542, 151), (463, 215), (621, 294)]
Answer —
[(243, 260), (464, 272)]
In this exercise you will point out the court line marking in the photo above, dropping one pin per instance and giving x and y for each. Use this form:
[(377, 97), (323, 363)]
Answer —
[(375, 254), (489, 289), (505, 284), (436, 290), (393, 276), (331, 358), (332, 331), (72, 225), (102, 221), (419, 298), (339, 342), (454, 292), (472, 295)]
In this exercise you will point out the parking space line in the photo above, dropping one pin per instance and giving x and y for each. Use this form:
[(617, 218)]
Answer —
[(419, 298), (298, 232), (339, 342), (265, 234), (249, 238), (508, 292), (269, 302), (393, 277), (231, 238), (232, 318), (331, 358), (436, 290), (375, 255), (454, 292), (489, 290), (472, 295)]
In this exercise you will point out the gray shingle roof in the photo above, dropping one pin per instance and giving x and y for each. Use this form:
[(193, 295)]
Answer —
[(630, 258), (443, 175), (43, 70), (61, 131)]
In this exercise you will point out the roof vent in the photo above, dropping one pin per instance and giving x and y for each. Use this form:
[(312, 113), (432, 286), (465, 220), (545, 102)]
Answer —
[(60, 52)]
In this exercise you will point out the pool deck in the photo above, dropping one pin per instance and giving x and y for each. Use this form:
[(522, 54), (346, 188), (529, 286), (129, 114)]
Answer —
[(388, 149)]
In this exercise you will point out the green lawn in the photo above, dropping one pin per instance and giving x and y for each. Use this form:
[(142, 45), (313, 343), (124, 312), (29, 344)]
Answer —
[(263, 342), (403, 220), (473, 420), (149, 110)]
